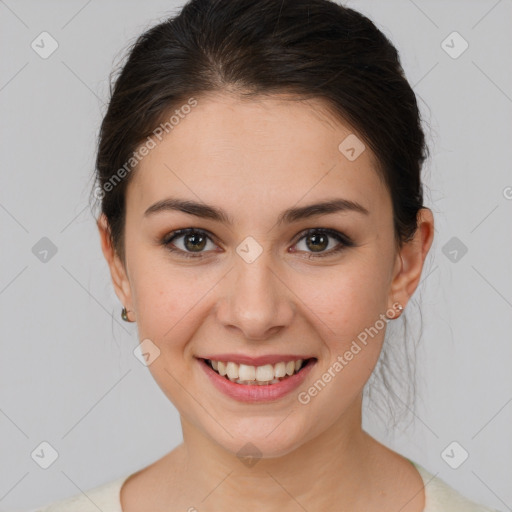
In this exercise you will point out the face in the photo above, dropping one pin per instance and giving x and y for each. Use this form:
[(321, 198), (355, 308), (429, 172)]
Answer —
[(264, 285)]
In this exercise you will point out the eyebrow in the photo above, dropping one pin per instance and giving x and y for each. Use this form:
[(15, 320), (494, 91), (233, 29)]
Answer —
[(287, 216)]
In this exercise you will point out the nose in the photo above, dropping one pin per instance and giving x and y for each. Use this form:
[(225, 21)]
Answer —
[(255, 299)]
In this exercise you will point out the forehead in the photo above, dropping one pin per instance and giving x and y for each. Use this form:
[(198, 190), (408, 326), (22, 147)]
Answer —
[(269, 150)]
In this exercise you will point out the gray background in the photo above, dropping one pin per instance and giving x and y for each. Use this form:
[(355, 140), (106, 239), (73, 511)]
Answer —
[(68, 375)]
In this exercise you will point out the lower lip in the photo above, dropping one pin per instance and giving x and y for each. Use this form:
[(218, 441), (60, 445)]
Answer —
[(257, 393)]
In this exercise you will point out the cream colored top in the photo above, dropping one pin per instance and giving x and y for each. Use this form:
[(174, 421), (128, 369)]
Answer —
[(439, 497)]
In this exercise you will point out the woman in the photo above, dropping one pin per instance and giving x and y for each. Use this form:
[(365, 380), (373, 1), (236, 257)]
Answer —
[(262, 217)]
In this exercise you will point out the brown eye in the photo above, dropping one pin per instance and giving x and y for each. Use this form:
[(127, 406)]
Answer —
[(194, 241), (318, 240), (190, 241)]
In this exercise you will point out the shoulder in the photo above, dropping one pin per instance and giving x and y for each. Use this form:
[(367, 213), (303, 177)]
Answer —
[(105, 497), (440, 497)]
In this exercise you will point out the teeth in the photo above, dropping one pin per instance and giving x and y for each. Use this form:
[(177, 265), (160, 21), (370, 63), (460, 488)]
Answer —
[(264, 373), (256, 375), (280, 370), (222, 368), (246, 372), (232, 371)]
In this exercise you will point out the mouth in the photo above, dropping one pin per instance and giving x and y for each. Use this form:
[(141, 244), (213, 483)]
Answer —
[(257, 384), (264, 375)]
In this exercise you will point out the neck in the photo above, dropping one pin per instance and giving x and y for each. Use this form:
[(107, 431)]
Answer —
[(330, 471)]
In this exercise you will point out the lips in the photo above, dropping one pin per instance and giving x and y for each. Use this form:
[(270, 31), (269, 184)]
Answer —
[(253, 392)]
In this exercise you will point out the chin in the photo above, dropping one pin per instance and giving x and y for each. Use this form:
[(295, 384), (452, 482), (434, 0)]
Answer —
[(261, 437)]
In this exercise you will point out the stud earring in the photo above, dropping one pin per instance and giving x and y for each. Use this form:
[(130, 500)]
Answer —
[(397, 306)]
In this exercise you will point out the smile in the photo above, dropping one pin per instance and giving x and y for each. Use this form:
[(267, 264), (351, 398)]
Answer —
[(256, 375), (256, 383)]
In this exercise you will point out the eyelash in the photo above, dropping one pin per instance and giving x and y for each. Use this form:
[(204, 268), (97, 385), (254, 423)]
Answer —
[(344, 241)]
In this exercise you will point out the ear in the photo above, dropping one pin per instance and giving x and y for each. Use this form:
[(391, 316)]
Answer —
[(117, 269), (411, 258)]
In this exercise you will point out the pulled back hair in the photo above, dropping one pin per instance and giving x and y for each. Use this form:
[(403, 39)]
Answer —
[(305, 48)]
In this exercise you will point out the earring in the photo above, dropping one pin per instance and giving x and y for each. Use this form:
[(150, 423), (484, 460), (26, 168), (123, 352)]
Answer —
[(124, 315), (399, 307)]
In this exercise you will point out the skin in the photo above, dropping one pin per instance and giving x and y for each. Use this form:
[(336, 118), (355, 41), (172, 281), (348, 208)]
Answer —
[(270, 154)]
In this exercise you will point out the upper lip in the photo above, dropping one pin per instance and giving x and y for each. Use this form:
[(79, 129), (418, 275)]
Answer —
[(256, 361)]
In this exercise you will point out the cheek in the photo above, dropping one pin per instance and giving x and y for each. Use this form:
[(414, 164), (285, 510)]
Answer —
[(348, 296), (349, 314), (164, 306), (169, 300), (167, 304), (350, 304)]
